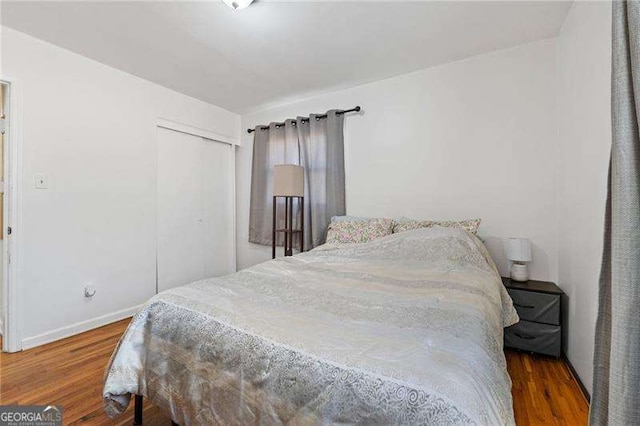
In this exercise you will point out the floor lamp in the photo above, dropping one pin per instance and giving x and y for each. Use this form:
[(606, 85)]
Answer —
[(288, 183)]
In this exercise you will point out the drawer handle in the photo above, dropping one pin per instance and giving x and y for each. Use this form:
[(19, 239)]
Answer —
[(524, 306), (525, 336)]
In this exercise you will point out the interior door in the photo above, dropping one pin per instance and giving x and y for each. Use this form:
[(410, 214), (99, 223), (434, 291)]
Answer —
[(194, 209)]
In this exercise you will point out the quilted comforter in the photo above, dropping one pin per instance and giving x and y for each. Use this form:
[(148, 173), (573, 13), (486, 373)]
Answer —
[(405, 329)]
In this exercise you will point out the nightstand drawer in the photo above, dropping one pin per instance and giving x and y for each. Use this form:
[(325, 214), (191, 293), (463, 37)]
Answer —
[(538, 307), (535, 337)]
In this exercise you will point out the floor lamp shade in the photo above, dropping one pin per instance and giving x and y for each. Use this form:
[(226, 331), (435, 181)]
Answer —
[(288, 180)]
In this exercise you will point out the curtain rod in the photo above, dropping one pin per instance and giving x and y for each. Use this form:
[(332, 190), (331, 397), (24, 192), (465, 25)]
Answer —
[(354, 109)]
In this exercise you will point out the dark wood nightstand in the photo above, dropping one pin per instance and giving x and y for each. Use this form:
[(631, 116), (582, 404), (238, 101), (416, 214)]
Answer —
[(539, 305)]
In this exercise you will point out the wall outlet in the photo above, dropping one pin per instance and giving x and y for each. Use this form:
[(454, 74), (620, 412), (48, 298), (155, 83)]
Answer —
[(42, 181), (89, 290)]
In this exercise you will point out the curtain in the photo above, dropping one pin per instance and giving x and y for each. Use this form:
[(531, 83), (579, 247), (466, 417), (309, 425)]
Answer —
[(616, 375), (317, 144), (276, 145)]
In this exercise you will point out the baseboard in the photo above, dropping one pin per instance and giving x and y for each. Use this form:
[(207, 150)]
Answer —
[(80, 327), (577, 377), (1, 327)]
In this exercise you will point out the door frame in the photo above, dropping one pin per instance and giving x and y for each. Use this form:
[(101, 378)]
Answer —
[(11, 279), (197, 131), (232, 142)]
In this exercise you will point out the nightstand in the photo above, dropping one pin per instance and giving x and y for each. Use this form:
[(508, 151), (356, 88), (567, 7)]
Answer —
[(539, 305)]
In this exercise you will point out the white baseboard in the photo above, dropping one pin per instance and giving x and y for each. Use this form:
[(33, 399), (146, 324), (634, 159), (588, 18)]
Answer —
[(1, 327), (80, 327)]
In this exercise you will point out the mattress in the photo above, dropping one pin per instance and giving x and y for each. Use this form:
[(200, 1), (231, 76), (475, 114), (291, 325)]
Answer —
[(405, 329)]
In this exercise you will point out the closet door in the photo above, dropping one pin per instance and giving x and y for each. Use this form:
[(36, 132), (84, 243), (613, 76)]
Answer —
[(219, 207), (194, 209)]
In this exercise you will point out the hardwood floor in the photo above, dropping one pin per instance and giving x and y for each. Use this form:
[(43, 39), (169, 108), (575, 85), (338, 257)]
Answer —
[(545, 392), (69, 372)]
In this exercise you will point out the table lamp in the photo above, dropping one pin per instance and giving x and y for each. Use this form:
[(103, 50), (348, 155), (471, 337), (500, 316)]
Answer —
[(519, 252)]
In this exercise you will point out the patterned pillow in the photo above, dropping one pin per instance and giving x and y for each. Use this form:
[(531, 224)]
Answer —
[(470, 225), (361, 231), (404, 224), (349, 219)]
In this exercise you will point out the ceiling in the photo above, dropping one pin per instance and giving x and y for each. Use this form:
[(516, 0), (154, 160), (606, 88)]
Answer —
[(274, 52)]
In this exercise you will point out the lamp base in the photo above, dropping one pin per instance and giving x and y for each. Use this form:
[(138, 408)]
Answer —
[(519, 272)]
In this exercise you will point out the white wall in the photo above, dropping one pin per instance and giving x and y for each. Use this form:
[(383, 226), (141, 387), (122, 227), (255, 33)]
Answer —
[(92, 130), (584, 51), (474, 138)]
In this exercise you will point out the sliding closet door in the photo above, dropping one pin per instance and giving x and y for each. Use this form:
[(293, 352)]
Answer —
[(218, 205), (195, 205)]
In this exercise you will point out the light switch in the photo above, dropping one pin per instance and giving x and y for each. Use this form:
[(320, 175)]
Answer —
[(42, 181)]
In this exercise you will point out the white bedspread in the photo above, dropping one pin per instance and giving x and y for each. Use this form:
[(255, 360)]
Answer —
[(406, 329)]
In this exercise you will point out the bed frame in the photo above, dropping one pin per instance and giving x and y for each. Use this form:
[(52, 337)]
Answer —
[(137, 411)]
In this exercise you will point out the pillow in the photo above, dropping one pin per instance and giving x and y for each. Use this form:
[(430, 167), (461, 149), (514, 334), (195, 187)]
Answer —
[(470, 225), (404, 224), (349, 219), (360, 231)]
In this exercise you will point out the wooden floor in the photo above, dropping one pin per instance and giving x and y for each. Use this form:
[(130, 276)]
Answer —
[(69, 373), (544, 391)]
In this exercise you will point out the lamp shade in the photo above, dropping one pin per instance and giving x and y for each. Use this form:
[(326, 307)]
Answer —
[(288, 180), (519, 249)]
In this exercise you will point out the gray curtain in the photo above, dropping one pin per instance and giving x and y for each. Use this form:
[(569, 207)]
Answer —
[(276, 145), (315, 143), (616, 375)]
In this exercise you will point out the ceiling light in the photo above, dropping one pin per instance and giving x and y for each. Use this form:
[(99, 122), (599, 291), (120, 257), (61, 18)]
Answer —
[(237, 4)]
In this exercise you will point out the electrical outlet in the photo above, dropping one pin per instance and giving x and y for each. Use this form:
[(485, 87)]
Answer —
[(89, 290), (42, 181)]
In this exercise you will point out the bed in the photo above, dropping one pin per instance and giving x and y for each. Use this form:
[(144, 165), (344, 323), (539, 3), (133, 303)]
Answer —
[(405, 329)]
